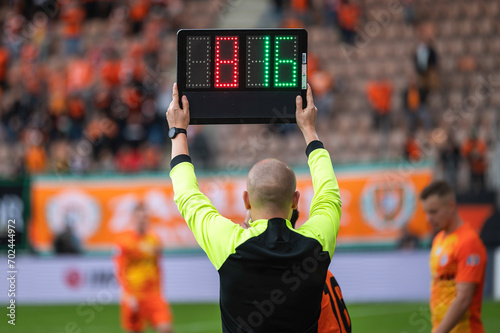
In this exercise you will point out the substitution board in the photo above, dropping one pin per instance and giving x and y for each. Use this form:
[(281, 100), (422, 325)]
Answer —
[(242, 76)]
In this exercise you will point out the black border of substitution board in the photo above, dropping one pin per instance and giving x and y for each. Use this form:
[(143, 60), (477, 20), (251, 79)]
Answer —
[(242, 105)]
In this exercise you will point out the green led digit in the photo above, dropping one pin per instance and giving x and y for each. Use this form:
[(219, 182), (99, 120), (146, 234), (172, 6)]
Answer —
[(285, 61), (258, 49)]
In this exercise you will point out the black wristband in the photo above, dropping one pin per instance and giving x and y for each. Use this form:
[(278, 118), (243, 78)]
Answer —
[(313, 145), (179, 159)]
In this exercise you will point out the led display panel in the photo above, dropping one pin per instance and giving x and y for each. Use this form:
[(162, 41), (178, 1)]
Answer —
[(242, 76)]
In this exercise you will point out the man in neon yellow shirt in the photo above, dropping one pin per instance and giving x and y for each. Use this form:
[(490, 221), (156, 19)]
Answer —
[(271, 276)]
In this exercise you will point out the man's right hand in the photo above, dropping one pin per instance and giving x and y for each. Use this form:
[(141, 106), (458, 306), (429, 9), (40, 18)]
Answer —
[(306, 118), (179, 118)]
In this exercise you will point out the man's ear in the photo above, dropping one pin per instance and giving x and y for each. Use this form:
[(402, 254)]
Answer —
[(246, 200), (295, 200)]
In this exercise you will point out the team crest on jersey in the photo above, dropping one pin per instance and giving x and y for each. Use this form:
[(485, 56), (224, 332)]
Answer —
[(473, 260), (388, 205)]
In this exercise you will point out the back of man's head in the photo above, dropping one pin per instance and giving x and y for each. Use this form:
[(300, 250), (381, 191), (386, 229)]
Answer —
[(271, 184)]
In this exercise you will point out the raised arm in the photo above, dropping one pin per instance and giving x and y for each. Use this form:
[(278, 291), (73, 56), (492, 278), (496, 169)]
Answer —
[(325, 212), (178, 118), (212, 231), (306, 118)]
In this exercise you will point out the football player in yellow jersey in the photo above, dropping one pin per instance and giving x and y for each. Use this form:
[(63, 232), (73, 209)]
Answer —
[(139, 275), (457, 263)]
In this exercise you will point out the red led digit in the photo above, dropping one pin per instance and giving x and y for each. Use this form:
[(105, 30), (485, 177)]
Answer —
[(226, 62)]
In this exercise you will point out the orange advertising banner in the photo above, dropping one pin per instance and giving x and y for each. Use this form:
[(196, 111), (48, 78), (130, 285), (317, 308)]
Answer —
[(378, 206)]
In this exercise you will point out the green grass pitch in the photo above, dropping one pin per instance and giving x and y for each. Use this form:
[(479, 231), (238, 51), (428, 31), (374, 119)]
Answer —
[(205, 318)]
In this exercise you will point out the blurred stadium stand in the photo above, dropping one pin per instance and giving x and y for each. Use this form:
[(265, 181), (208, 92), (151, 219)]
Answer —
[(84, 85)]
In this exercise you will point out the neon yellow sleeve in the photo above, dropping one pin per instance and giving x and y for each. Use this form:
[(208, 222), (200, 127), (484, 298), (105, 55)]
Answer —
[(324, 216), (217, 235)]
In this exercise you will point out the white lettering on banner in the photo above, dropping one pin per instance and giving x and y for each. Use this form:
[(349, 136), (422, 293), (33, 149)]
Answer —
[(158, 203), (76, 209), (121, 209), (179, 234), (346, 197), (218, 197)]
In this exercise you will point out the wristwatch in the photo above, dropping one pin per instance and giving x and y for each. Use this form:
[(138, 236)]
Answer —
[(173, 131)]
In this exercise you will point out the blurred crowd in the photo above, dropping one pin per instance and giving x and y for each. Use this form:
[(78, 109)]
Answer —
[(84, 85), (406, 80)]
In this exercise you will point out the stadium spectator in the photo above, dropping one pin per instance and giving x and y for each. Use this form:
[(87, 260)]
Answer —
[(105, 162), (412, 151), (409, 11), (474, 153), (31, 73), (4, 60), (457, 261), (80, 76), (201, 153), (278, 10), (426, 60), (291, 22), (467, 64), (12, 33), (56, 89), (349, 14), (97, 8), (271, 276), (138, 10), (415, 107), (379, 94), (118, 23), (59, 151), (153, 156), (300, 9), (73, 16), (331, 10), (139, 275), (321, 82), (450, 158), (35, 155), (129, 160)]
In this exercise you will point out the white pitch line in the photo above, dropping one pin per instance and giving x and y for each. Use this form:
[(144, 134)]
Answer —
[(378, 313), (197, 326), (208, 325)]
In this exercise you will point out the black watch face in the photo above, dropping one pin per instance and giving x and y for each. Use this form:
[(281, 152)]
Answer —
[(171, 132)]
